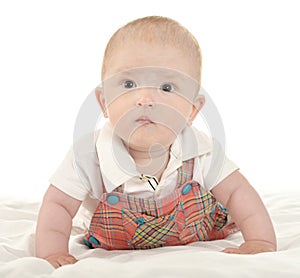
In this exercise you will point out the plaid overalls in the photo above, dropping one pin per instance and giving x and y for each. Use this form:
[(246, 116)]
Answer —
[(189, 214)]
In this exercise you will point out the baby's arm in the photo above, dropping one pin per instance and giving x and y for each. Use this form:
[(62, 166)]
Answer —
[(248, 211), (54, 227)]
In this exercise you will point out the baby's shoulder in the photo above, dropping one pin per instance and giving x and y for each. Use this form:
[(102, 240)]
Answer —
[(86, 143)]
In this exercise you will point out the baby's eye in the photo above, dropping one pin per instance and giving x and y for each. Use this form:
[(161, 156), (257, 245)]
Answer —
[(128, 84), (167, 87)]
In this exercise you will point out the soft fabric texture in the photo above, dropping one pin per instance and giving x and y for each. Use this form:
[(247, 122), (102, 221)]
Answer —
[(200, 259)]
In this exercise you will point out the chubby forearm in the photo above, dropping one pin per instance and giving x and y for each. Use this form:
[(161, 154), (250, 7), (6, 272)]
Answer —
[(250, 214), (247, 210), (53, 230), (55, 222)]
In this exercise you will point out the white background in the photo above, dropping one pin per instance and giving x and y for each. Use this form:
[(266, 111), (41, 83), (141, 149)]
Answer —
[(50, 60)]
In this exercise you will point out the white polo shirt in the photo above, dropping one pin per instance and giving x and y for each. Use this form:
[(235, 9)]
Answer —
[(89, 171)]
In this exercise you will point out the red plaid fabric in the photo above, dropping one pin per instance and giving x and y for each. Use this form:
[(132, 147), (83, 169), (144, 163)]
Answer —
[(190, 214)]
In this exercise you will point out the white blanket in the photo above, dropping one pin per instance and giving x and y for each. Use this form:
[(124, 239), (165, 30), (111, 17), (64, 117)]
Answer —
[(201, 259)]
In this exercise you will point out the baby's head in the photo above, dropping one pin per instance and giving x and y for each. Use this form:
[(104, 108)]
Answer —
[(151, 79), (149, 33)]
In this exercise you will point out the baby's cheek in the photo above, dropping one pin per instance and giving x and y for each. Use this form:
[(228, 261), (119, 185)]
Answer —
[(115, 113)]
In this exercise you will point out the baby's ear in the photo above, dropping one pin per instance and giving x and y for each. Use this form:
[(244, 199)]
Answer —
[(101, 100), (197, 106)]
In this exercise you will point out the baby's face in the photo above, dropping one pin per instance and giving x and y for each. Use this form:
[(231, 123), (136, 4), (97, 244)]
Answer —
[(149, 93)]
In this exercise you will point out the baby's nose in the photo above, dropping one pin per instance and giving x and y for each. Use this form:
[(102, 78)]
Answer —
[(145, 98)]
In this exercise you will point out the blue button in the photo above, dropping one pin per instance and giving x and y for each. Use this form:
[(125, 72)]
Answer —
[(186, 189), (94, 240), (113, 199), (221, 207), (87, 243), (140, 221)]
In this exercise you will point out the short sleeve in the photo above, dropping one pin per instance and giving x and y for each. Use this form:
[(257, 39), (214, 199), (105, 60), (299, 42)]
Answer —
[(66, 178), (216, 166)]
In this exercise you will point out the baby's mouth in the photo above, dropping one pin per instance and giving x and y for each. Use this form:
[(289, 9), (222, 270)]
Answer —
[(144, 120)]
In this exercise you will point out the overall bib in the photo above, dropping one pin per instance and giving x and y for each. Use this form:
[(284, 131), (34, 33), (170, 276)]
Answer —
[(187, 215)]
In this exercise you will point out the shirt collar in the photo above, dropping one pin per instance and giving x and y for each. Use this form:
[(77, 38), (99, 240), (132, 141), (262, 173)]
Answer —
[(117, 166)]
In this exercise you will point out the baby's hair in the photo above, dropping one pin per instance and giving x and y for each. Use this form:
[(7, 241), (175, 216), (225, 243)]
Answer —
[(155, 29)]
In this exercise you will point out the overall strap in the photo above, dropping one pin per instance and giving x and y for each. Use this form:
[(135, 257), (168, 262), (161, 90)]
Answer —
[(185, 172)]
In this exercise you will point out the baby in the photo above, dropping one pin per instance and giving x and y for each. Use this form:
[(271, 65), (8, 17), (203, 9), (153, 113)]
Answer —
[(151, 179)]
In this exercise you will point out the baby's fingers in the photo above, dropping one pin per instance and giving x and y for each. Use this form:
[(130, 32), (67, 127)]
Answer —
[(55, 264), (232, 251), (66, 260), (60, 260)]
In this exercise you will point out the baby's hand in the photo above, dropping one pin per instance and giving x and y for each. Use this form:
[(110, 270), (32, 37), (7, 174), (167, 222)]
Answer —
[(61, 259), (252, 247)]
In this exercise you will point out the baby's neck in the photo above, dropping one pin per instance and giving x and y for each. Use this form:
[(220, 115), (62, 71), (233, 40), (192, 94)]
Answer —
[(151, 162)]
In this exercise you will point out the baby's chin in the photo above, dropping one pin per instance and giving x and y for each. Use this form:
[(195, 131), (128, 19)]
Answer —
[(150, 138)]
